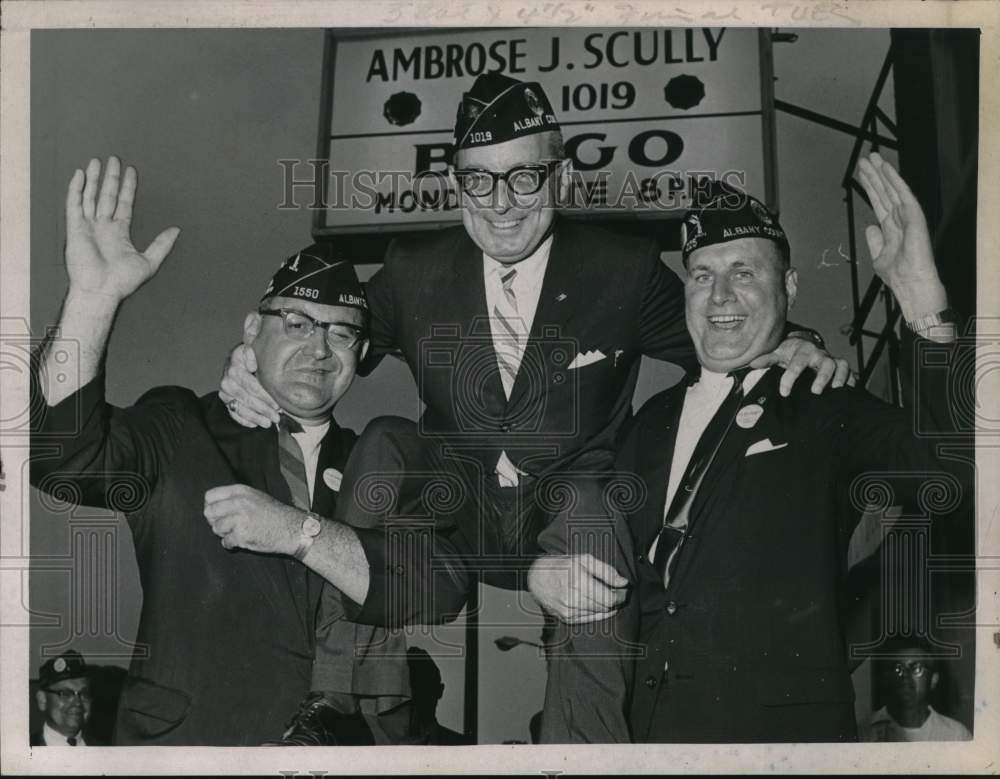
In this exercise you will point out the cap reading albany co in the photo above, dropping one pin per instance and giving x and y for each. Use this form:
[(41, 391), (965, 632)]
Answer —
[(499, 108), (317, 275)]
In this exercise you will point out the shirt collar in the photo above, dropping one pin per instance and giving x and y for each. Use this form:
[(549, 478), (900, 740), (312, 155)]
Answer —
[(53, 738), (530, 266)]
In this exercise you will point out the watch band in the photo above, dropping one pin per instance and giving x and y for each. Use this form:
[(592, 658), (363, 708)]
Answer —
[(924, 323), (306, 537)]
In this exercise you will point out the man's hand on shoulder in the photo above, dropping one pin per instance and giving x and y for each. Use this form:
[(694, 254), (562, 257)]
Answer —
[(248, 402), (795, 354), (577, 588)]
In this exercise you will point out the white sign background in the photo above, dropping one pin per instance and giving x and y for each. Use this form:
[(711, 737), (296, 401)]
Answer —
[(607, 86)]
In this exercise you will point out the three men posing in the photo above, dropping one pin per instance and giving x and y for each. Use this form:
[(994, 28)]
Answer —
[(506, 439)]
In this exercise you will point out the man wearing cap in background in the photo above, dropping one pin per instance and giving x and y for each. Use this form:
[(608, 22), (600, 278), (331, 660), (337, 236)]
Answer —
[(745, 527), (524, 332), (65, 699), (228, 635)]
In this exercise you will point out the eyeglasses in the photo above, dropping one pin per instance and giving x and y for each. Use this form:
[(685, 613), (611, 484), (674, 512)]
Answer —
[(300, 326), (65, 695), (916, 670), (521, 179)]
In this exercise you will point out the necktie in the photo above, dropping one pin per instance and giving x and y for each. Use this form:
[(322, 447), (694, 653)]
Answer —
[(507, 337), (293, 466), (675, 523), (71, 741)]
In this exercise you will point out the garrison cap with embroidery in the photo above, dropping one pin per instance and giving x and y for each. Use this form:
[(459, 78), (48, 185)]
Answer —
[(724, 213), (317, 275), (68, 665), (499, 108)]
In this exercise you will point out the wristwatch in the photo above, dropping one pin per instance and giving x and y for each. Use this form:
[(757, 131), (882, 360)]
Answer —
[(924, 323), (312, 525)]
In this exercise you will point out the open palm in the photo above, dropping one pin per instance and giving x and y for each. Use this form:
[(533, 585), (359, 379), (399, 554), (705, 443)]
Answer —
[(900, 245), (100, 256)]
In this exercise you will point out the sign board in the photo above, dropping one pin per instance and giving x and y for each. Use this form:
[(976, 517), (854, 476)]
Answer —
[(646, 113)]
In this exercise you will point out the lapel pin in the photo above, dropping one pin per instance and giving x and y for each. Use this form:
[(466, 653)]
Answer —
[(560, 297), (748, 416)]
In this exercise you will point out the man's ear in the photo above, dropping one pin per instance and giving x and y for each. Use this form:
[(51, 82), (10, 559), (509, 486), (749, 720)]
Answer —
[(935, 678), (791, 285), (41, 701), (251, 327), (364, 350)]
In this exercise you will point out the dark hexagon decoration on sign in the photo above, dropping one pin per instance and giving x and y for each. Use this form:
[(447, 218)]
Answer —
[(684, 91), (402, 108)]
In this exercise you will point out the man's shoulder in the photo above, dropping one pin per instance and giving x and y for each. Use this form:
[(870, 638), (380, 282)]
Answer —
[(602, 242), (429, 246)]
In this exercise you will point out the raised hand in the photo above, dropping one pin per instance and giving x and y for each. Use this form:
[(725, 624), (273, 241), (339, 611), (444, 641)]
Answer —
[(900, 244), (100, 256)]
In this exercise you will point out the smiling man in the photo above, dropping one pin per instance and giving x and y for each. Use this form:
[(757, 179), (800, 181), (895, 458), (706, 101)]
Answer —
[(65, 699), (228, 633), (743, 532)]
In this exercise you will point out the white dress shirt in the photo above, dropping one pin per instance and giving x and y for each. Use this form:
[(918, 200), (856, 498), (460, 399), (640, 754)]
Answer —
[(701, 402), (53, 738), (527, 288), (309, 441)]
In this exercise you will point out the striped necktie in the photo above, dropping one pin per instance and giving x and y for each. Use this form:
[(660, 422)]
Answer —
[(293, 466), (507, 336), (675, 523)]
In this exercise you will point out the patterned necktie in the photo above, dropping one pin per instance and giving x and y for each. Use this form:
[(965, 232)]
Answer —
[(507, 337), (675, 523), (293, 466)]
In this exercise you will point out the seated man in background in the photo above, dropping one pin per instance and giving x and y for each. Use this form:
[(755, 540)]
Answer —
[(743, 533), (908, 673), (65, 699), (229, 633)]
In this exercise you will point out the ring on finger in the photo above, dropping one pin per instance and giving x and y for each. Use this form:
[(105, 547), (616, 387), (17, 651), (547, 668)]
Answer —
[(231, 405)]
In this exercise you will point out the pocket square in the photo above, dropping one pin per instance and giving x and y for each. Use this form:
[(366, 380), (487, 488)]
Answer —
[(584, 359), (762, 446)]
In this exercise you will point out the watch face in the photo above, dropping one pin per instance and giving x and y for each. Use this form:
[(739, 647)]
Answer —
[(311, 526)]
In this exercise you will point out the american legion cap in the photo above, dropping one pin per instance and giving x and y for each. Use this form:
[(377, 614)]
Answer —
[(317, 274), (499, 108), (725, 213)]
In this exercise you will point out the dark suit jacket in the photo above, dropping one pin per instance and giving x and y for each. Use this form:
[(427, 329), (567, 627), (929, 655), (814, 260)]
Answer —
[(225, 639), (747, 643), (601, 291)]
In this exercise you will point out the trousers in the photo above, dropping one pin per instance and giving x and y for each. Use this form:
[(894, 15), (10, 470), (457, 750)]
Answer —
[(486, 532)]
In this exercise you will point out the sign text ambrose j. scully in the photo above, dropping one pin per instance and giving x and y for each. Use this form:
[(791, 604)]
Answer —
[(619, 49)]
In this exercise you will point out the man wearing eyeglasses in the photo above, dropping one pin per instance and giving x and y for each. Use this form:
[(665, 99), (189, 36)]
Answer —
[(907, 674), (227, 627), (524, 332), (64, 697)]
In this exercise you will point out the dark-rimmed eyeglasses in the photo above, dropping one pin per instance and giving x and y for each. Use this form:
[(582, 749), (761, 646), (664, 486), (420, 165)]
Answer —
[(299, 326), (521, 180), (67, 695), (916, 670)]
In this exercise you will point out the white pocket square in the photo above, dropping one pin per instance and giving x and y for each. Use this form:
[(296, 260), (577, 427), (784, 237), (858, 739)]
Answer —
[(764, 445), (584, 359)]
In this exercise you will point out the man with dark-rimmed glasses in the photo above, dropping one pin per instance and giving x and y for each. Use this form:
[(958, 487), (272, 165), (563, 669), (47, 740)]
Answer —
[(227, 630), (65, 699), (524, 332)]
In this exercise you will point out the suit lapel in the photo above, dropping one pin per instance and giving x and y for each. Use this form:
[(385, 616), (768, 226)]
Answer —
[(724, 467), (557, 302), (656, 454)]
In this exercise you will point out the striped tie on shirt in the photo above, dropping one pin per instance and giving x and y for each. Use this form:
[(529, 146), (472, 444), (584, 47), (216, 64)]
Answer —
[(292, 463), (507, 341)]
